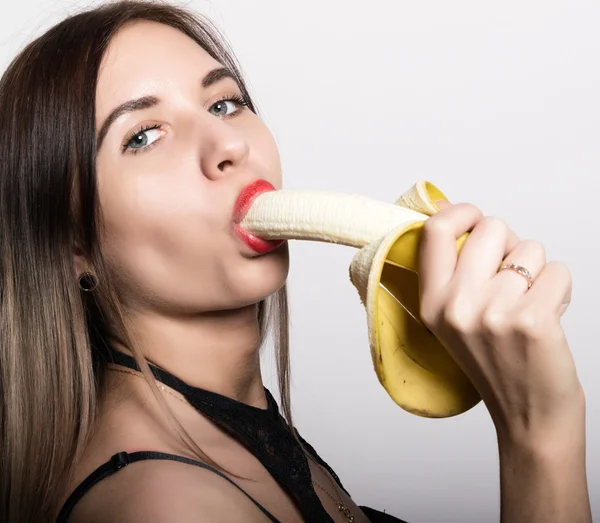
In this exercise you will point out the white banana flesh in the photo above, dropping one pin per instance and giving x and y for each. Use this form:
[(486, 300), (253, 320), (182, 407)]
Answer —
[(346, 219)]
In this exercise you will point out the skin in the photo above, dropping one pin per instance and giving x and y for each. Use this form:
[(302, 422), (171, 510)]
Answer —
[(192, 287)]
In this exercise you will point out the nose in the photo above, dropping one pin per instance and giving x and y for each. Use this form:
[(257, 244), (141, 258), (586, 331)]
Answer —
[(224, 149)]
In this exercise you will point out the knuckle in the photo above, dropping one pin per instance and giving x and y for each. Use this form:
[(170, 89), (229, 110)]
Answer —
[(458, 315), (529, 324), (494, 223), (495, 321), (471, 208), (437, 224), (499, 228), (534, 247), (441, 223), (561, 270)]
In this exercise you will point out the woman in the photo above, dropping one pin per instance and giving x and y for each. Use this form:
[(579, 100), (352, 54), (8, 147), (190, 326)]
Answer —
[(128, 134)]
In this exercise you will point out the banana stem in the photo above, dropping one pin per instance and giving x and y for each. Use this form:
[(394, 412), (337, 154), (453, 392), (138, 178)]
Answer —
[(347, 219)]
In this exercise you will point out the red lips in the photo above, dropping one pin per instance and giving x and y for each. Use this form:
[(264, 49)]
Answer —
[(241, 207)]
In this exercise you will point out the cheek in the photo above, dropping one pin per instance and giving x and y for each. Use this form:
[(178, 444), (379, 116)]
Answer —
[(150, 192), (155, 220), (168, 257)]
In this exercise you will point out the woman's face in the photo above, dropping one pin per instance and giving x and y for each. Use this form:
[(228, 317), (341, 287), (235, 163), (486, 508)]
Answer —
[(170, 170)]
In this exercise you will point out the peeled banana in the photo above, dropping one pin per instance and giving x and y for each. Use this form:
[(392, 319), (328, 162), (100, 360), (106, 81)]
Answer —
[(411, 364)]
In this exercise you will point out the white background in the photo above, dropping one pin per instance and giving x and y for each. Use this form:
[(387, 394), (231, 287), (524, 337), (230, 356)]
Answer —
[(495, 103)]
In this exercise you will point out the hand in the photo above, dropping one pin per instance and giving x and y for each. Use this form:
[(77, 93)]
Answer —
[(506, 338)]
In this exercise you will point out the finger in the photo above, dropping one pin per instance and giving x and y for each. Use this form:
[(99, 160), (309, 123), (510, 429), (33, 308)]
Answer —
[(551, 289), (507, 287), (486, 246), (437, 252)]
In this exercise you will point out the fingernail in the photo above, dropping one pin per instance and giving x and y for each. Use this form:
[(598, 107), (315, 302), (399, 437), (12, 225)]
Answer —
[(442, 204)]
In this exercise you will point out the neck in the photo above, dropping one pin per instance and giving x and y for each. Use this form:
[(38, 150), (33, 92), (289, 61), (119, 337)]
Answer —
[(216, 351)]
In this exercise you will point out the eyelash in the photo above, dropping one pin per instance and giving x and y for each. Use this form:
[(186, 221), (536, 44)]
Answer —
[(143, 129), (238, 99)]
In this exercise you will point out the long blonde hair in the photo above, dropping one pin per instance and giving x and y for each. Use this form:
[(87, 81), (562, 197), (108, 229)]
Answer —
[(52, 373)]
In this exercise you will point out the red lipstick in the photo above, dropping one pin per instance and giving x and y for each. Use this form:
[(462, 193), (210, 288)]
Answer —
[(240, 208)]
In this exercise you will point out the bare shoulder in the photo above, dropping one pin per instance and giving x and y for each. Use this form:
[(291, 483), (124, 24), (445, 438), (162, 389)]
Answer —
[(157, 491)]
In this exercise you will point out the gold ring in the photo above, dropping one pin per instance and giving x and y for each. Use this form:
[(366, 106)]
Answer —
[(520, 270)]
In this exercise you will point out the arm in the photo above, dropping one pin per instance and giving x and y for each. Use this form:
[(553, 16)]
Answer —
[(544, 479)]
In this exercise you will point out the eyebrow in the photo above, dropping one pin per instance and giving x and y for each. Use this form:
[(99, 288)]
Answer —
[(216, 75), (138, 104)]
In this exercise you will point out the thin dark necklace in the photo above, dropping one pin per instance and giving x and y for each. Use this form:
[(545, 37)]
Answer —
[(339, 503)]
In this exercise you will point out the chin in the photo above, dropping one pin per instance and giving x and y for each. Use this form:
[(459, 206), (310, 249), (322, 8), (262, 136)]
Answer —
[(262, 276)]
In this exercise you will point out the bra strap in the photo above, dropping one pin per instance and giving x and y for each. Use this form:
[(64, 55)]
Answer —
[(122, 459)]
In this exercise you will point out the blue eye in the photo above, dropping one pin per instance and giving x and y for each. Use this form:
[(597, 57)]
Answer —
[(228, 106), (143, 139)]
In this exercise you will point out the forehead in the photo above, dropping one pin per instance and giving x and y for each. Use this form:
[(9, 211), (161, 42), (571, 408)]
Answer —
[(147, 58)]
